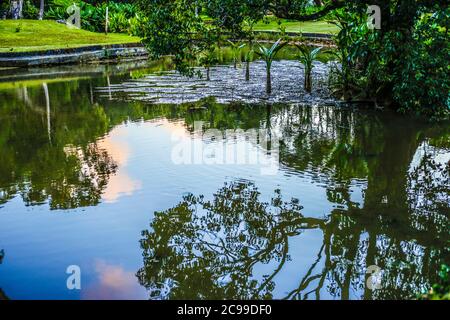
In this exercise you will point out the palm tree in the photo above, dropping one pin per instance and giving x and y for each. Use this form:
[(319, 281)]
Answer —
[(268, 54), (307, 57)]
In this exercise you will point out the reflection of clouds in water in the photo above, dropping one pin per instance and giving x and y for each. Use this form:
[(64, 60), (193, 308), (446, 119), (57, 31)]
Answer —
[(113, 282), (211, 146), (121, 183), (176, 128)]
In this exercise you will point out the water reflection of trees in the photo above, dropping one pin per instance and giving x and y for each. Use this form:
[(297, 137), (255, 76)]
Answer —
[(208, 249), (211, 249), (3, 296), (401, 225), (38, 126)]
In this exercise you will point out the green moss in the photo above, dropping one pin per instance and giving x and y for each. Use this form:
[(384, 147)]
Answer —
[(33, 35)]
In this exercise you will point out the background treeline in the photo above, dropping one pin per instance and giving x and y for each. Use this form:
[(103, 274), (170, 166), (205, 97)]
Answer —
[(123, 15)]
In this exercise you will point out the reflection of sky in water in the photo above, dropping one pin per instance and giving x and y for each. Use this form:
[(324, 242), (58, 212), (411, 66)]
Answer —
[(40, 244), (103, 240), (121, 183)]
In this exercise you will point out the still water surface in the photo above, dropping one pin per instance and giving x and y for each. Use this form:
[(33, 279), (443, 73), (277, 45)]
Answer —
[(88, 178)]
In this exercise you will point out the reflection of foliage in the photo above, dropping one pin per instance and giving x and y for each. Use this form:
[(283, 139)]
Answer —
[(340, 145), (440, 290), (37, 162), (400, 224), (208, 249), (429, 191), (2, 294), (336, 147), (86, 172)]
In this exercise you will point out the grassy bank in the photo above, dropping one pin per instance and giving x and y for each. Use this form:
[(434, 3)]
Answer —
[(271, 24), (33, 35)]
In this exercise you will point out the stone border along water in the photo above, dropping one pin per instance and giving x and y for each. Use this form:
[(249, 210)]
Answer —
[(73, 55)]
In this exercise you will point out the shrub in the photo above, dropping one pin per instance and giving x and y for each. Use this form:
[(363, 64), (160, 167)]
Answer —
[(121, 15), (30, 10), (440, 290), (404, 66)]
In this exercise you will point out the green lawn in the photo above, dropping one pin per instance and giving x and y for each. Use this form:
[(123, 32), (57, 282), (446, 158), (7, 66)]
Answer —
[(33, 35), (271, 24)]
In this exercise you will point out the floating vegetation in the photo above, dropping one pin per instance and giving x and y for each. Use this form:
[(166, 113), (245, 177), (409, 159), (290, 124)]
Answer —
[(228, 85)]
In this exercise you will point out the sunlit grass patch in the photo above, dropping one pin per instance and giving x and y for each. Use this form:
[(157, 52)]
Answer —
[(34, 35)]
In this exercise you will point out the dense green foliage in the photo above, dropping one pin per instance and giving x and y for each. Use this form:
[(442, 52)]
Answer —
[(173, 28), (426, 73), (440, 290), (123, 17), (403, 65)]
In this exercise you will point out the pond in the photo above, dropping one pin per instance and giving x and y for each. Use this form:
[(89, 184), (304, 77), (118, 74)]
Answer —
[(155, 190)]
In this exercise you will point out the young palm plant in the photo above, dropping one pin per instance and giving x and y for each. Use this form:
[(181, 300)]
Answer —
[(268, 55), (236, 49), (207, 58), (307, 57), (248, 58)]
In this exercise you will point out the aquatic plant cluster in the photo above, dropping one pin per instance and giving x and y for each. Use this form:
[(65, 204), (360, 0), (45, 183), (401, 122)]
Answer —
[(225, 84)]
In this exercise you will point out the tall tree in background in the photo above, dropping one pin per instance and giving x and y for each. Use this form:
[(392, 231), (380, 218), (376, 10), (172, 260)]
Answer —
[(41, 10), (16, 7)]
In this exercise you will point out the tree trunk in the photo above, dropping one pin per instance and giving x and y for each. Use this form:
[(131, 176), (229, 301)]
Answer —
[(268, 82), (208, 78), (41, 10), (47, 105), (106, 20), (16, 7), (247, 71), (307, 81)]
